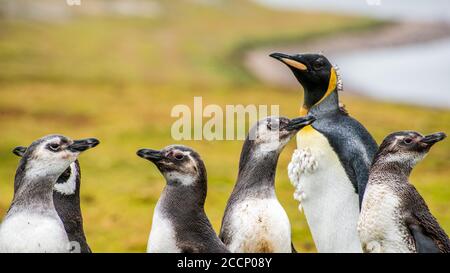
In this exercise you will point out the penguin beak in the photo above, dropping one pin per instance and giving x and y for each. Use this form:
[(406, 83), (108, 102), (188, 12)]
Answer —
[(291, 61), (149, 154), (298, 123), (19, 151), (430, 140), (83, 144)]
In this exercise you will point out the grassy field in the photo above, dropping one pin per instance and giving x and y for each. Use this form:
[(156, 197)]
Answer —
[(117, 78)]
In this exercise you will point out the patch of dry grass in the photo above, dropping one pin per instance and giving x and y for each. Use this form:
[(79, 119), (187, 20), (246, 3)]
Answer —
[(118, 79)]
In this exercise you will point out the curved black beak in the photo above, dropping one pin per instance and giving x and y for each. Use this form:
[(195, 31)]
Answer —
[(19, 151), (82, 145), (149, 154), (291, 61), (296, 124), (433, 138), (280, 56)]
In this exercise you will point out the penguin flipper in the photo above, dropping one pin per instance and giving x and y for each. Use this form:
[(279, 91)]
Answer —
[(428, 235), (424, 244), (88, 249), (189, 248), (361, 172), (293, 248)]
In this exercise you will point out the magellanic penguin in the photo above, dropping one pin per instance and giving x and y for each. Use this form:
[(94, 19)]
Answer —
[(66, 198), (32, 223), (331, 165), (394, 217), (180, 224), (254, 220)]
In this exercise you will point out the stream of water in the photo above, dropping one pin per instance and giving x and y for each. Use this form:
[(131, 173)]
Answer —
[(414, 73)]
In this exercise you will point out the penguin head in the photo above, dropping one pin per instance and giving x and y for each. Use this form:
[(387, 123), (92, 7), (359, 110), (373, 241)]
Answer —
[(67, 182), (314, 72), (179, 164), (271, 134), (406, 147), (52, 154)]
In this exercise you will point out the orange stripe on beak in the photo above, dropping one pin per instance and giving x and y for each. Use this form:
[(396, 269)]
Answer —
[(295, 64)]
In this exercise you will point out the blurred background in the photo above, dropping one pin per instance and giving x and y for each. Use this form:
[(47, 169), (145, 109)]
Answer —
[(114, 69)]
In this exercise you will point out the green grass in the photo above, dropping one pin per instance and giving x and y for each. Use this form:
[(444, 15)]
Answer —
[(118, 78)]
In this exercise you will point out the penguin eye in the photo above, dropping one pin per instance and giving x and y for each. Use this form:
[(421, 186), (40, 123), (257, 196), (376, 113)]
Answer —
[(317, 65), (272, 126), (54, 147), (407, 140), (179, 156)]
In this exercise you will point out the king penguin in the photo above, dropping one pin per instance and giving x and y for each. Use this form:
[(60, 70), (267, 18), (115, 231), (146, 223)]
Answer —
[(66, 198), (32, 223), (180, 224), (254, 220), (394, 217), (331, 165)]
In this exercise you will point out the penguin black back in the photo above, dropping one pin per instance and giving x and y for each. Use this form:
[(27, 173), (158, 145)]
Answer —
[(356, 164), (428, 235), (66, 198)]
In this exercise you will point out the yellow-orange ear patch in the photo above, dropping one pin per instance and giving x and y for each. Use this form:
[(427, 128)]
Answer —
[(331, 85), (333, 81), (295, 64)]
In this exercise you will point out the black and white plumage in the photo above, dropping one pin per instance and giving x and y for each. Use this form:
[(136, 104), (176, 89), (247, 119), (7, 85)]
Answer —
[(331, 165), (32, 223), (180, 224), (66, 198), (394, 217), (254, 220)]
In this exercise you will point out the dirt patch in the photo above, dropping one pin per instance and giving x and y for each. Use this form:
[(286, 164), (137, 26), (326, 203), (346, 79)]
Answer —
[(73, 119), (11, 112)]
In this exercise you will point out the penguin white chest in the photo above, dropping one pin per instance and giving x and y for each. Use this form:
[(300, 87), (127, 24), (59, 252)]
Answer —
[(260, 225), (380, 226), (25, 232), (325, 192), (162, 236)]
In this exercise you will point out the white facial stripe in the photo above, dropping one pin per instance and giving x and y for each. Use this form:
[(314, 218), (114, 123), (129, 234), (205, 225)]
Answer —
[(36, 169), (269, 140), (44, 162), (410, 158), (186, 153), (394, 158), (275, 144), (185, 179), (397, 140), (70, 185), (192, 161)]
